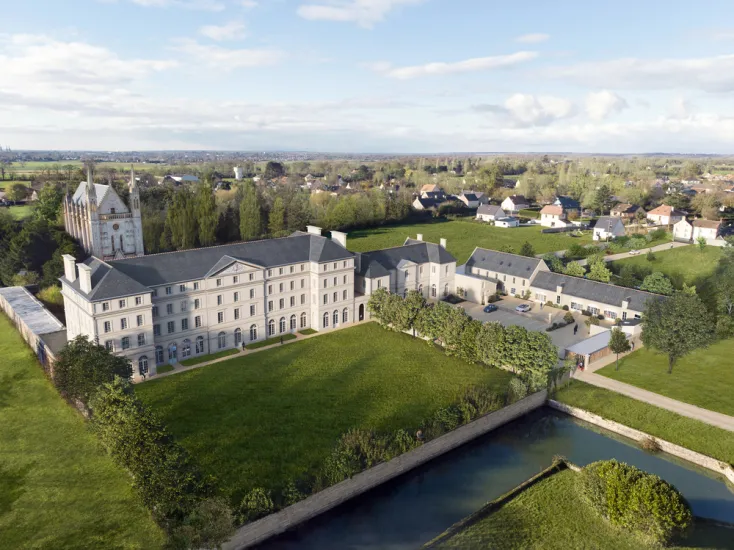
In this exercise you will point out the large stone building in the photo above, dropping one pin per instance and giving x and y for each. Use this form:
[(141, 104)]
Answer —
[(100, 220)]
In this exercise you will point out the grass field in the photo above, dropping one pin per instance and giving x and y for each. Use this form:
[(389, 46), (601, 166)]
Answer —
[(551, 515), (58, 489), (5, 184), (271, 341), (681, 430), (205, 358), (262, 419), (697, 378), (462, 237), (686, 264), (19, 212)]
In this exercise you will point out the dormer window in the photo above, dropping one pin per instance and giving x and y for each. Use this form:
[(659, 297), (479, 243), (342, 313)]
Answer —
[(112, 210)]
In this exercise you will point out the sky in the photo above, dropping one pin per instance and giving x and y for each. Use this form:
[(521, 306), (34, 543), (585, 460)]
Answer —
[(373, 76)]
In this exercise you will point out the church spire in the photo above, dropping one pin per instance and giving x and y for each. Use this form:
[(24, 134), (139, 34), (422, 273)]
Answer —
[(133, 182)]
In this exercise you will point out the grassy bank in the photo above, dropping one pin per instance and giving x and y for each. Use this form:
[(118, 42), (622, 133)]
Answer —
[(686, 264)]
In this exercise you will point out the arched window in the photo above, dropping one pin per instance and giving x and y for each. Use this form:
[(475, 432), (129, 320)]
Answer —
[(271, 327), (253, 333), (143, 365), (345, 315), (433, 291), (158, 355), (199, 344), (326, 319), (282, 325), (303, 320), (237, 336), (186, 348), (335, 318), (293, 322), (172, 351), (221, 340)]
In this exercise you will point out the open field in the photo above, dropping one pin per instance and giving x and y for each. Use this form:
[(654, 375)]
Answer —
[(5, 184), (463, 237), (681, 430), (698, 378), (262, 419), (551, 515), (686, 264), (19, 212), (58, 489)]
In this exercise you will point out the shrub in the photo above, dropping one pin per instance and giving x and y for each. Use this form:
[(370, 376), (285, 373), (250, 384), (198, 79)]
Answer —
[(516, 390), (256, 504), (568, 318), (565, 308), (356, 450), (291, 494), (635, 500), (600, 317), (586, 313), (401, 442), (650, 445), (208, 526)]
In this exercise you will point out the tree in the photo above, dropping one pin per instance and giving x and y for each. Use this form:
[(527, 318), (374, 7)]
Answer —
[(618, 343), (209, 525), (640, 216), (206, 212), (412, 305), (553, 262), (17, 192), (276, 222), (701, 243), (181, 220), (599, 272), (527, 250), (658, 283), (602, 200), (273, 170), (49, 201), (676, 326), (575, 269), (250, 224)]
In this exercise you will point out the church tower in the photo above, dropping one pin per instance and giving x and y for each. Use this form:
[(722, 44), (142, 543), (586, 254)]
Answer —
[(135, 210)]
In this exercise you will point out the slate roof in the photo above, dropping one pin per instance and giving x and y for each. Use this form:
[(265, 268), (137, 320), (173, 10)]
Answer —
[(380, 262), (626, 208), (80, 195), (567, 202), (429, 203), (607, 223), (470, 196), (595, 292), (491, 210), (518, 199), (502, 262), (107, 282)]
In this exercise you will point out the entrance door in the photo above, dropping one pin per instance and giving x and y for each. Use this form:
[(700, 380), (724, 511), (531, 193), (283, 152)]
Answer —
[(361, 312)]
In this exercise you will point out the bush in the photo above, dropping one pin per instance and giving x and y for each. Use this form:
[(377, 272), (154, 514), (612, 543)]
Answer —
[(356, 450), (516, 390), (565, 308), (208, 526), (600, 317), (635, 500), (586, 313), (568, 318), (256, 504), (494, 298), (291, 494), (650, 445)]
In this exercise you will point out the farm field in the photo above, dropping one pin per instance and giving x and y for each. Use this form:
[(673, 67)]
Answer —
[(275, 415), (686, 264)]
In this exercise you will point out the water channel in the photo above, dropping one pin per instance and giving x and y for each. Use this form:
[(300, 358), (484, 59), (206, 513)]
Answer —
[(413, 509)]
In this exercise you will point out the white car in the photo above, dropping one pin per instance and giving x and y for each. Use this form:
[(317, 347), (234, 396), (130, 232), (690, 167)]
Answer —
[(523, 308), (634, 252)]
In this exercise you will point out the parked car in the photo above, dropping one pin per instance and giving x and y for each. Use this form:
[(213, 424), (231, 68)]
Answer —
[(634, 252), (489, 308), (523, 308)]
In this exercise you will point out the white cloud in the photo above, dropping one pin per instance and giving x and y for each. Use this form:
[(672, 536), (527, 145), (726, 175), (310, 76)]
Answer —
[(599, 105), (201, 5), (441, 68), (711, 74), (363, 12), (681, 108), (532, 38), (224, 58), (249, 4), (233, 30), (532, 110)]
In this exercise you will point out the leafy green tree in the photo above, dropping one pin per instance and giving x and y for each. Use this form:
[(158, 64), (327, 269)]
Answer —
[(298, 212), (574, 269), (181, 220), (602, 200), (658, 283), (453, 328), (256, 504), (491, 344), (209, 525), (618, 343), (412, 305), (676, 326), (48, 205), (206, 212), (701, 243), (250, 216), (554, 263), (527, 250), (531, 354), (276, 221), (598, 271), (376, 303), (723, 281), (273, 170), (17, 192)]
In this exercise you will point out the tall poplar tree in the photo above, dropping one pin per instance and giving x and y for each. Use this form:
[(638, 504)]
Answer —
[(250, 218), (276, 223), (206, 214)]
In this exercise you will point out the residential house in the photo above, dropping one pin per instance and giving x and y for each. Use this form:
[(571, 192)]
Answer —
[(490, 213), (509, 221), (473, 199), (608, 227), (421, 203), (627, 212), (432, 191), (692, 231), (570, 206), (514, 203), (665, 215), (553, 216), (489, 271)]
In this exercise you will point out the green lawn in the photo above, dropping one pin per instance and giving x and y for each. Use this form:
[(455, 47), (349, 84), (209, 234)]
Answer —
[(698, 378), (463, 237), (686, 264), (551, 515), (20, 212), (271, 341), (672, 427), (260, 419), (58, 489), (205, 358)]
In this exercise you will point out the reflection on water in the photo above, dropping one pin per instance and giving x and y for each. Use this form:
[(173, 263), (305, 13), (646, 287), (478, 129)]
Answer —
[(411, 510)]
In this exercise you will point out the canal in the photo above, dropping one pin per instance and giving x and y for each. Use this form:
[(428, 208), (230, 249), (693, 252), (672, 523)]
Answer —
[(413, 509)]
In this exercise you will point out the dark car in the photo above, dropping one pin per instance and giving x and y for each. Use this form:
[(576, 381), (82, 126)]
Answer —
[(489, 308)]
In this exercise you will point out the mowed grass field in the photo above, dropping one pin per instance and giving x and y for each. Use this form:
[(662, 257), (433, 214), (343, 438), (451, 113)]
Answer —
[(275, 415), (704, 377), (685, 264), (462, 237), (19, 212), (552, 515), (58, 489)]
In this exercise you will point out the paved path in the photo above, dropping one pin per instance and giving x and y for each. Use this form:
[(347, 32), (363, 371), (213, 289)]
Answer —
[(658, 248)]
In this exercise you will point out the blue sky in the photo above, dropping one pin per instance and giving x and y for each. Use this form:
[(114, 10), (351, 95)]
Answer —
[(401, 76)]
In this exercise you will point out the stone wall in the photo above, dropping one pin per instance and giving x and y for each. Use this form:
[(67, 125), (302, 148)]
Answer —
[(699, 459), (274, 524)]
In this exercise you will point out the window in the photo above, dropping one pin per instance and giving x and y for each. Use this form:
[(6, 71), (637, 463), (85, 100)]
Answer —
[(138, 300), (169, 290), (141, 340), (282, 325), (237, 337), (186, 348), (220, 317), (253, 332), (158, 355), (335, 318), (235, 279), (105, 306), (379, 283), (293, 322), (199, 344), (446, 289), (270, 272), (293, 301), (236, 297), (610, 314), (184, 324), (512, 291), (407, 274), (156, 330), (280, 287), (182, 288), (345, 315), (281, 303), (271, 327), (335, 283), (219, 300), (270, 289), (169, 309), (325, 283), (196, 285), (252, 276), (303, 299), (345, 279), (303, 267), (197, 303), (303, 320), (109, 345), (513, 280), (170, 327), (139, 320), (433, 269), (125, 342), (252, 293), (420, 270), (624, 316), (345, 294), (335, 264), (143, 365), (252, 310), (303, 283), (326, 267), (184, 305), (121, 304), (270, 305), (219, 282), (433, 291), (558, 299), (155, 311), (172, 351), (123, 323), (420, 289), (577, 307), (280, 271), (221, 340), (594, 310), (326, 320), (446, 270), (540, 297), (336, 296), (155, 292), (236, 313), (326, 299), (197, 321), (293, 285), (292, 269), (345, 263)]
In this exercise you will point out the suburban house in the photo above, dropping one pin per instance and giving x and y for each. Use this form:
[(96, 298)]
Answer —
[(692, 231), (665, 215), (570, 206), (627, 212), (579, 294), (473, 199), (421, 203), (507, 222), (489, 271), (514, 203), (432, 191), (553, 216), (608, 227), (490, 213), (178, 179)]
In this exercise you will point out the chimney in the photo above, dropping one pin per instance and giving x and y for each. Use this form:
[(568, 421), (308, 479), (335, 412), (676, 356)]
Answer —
[(313, 230), (443, 243), (85, 278), (340, 238), (625, 303), (419, 237), (559, 289), (69, 267)]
